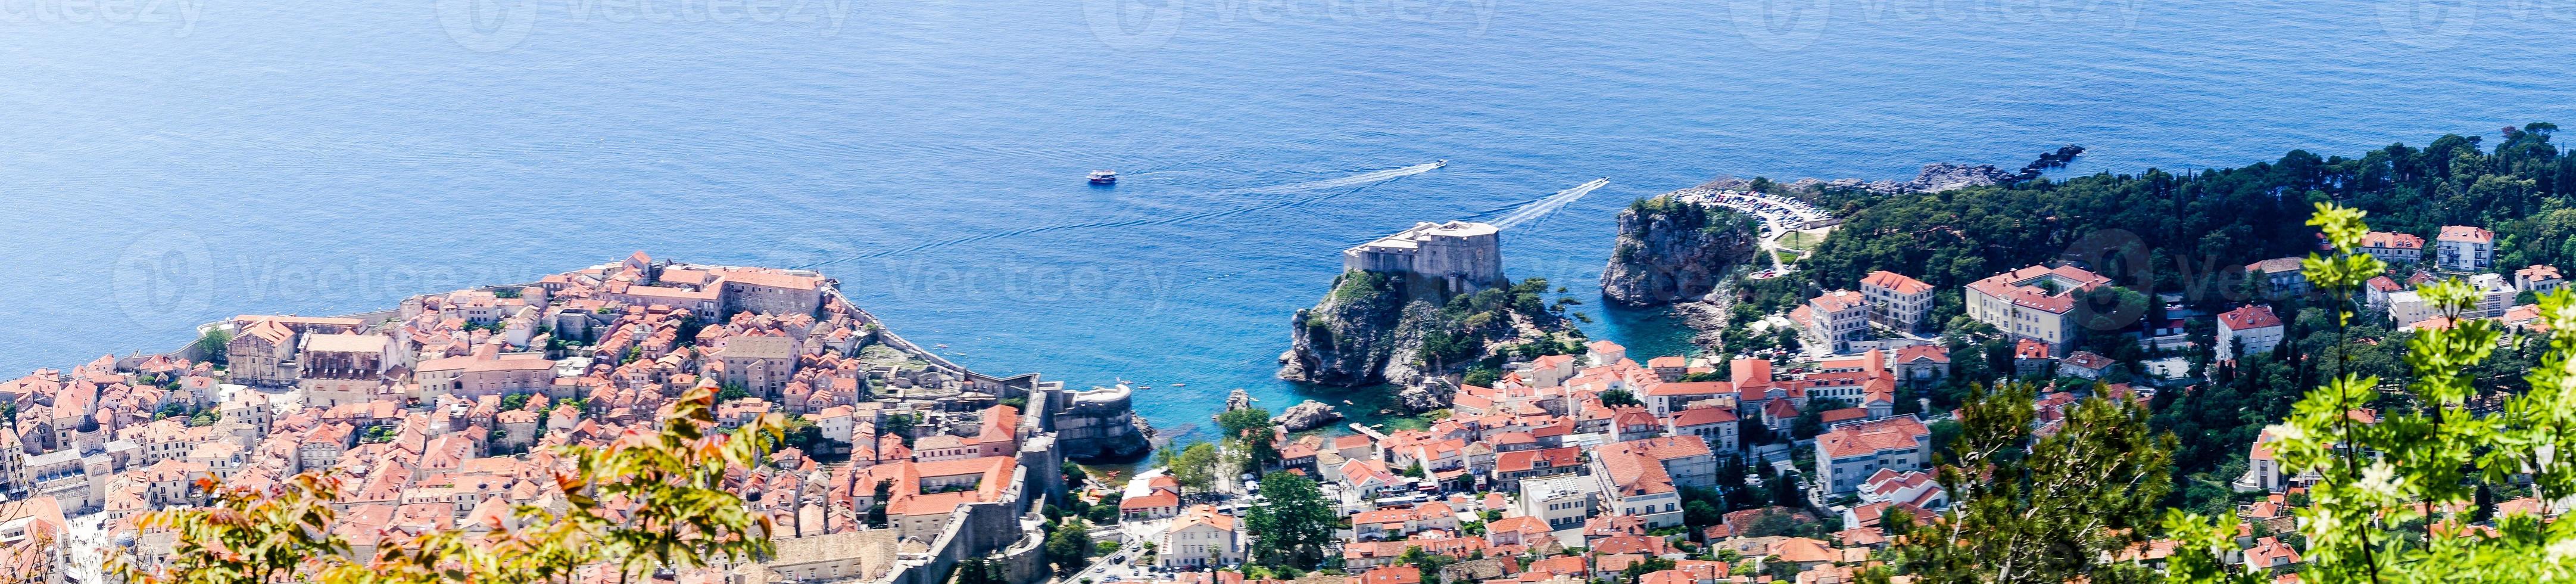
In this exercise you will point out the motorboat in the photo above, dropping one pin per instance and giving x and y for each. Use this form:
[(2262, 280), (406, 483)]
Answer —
[(1102, 177)]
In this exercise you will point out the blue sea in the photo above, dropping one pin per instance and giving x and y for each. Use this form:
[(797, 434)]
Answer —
[(168, 162)]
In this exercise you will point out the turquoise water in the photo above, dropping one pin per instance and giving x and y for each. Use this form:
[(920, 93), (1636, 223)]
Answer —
[(171, 162)]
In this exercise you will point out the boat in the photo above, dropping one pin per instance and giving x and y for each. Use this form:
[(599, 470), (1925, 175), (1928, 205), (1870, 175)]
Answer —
[(1440, 163), (1102, 177), (1180, 385)]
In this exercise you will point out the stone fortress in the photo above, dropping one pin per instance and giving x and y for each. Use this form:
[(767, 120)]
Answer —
[(1467, 256)]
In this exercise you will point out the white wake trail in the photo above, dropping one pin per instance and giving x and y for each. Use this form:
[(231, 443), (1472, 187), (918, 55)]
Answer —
[(1547, 204), (1352, 180)]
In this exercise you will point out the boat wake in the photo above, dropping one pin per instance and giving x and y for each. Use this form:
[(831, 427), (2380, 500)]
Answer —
[(1352, 180), (1356, 183), (1533, 210)]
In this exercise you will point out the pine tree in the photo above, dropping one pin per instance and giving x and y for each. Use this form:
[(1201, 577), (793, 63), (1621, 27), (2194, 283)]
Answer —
[(2034, 509)]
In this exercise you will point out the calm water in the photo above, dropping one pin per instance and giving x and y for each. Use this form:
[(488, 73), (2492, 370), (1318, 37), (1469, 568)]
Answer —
[(171, 162)]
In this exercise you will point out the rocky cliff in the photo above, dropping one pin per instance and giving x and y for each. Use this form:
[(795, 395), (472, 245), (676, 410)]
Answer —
[(1669, 251), (1347, 338), (1380, 328)]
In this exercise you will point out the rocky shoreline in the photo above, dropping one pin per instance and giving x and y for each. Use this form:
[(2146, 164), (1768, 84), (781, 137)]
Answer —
[(1653, 263)]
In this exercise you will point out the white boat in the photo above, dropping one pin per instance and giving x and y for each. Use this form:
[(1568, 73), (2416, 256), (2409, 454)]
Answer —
[(1102, 177)]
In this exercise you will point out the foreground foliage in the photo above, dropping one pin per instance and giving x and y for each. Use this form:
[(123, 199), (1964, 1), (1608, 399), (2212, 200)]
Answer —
[(2039, 509), (2377, 515), (642, 503)]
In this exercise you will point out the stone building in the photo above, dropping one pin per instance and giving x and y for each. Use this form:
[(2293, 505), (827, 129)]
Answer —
[(1467, 256), (261, 354), (340, 368), (760, 364)]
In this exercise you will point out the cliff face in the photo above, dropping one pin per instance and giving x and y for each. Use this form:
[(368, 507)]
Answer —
[(1379, 328), (1670, 251), (1347, 338)]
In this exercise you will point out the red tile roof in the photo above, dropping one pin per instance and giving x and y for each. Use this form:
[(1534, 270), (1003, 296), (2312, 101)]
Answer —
[(1895, 282), (1867, 437), (2383, 239), (1931, 353), (1703, 416), (2248, 317), (2466, 233)]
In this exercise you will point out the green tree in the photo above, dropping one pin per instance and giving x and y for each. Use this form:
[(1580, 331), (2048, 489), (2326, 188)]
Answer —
[(1250, 431), (1292, 523), (2041, 509), (978, 570), (1069, 547), (213, 345), (1637, 571), (1619, 397), (1195, 467), (802, 433), (899, 425)]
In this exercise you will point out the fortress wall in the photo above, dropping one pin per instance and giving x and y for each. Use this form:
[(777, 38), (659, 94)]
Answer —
[(975, 530), (1094, 424)]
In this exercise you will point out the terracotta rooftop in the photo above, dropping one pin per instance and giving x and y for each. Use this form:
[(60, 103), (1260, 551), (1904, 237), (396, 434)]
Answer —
[(1895, 282), (2466, 233), (2248, 317)]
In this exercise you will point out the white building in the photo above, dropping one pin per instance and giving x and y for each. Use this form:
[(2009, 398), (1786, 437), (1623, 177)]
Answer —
[(2462, 248), (1896, 300), (1201, 537), (2538, 279), (2495, 295), (1833, 319), (2248, 330), (2035, 302), (2407, 307), (2394, 248), (1563, 501), (1852, 453)]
